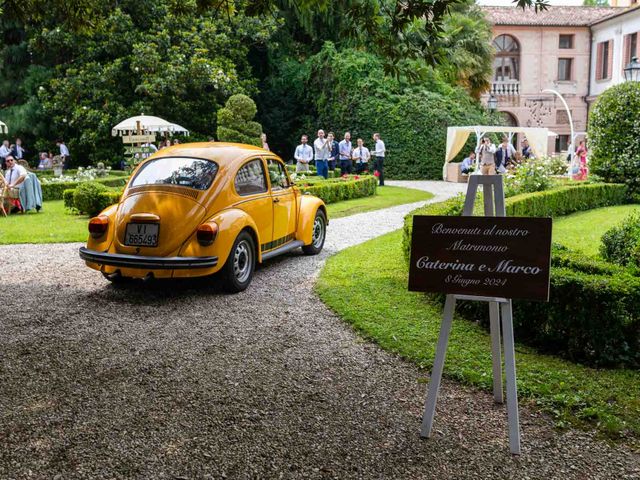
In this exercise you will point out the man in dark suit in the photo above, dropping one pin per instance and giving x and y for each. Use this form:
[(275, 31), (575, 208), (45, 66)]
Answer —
[(504, 154)]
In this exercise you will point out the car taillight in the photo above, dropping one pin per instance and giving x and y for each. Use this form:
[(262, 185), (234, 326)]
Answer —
[(206, 233), (98, 226)]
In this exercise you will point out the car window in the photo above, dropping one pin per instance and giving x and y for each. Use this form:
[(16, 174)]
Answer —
[(195, 173), (250, 178), (277, 175)]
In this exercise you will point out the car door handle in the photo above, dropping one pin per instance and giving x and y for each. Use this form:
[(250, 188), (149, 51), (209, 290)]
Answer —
[(276, 200)]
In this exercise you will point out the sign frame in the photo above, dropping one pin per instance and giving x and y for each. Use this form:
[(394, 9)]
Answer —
[(500, 315)]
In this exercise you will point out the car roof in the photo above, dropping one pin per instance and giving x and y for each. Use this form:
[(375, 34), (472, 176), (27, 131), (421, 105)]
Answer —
[(221, 152)]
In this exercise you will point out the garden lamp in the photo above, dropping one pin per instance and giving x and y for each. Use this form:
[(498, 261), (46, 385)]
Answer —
[(492, 103), (632, 71)]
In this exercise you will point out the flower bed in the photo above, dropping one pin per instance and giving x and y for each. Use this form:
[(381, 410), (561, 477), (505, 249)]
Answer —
[(593, 315), (336, 190)]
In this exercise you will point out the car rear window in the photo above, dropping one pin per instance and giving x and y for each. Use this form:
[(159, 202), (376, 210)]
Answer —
[(188, 172)]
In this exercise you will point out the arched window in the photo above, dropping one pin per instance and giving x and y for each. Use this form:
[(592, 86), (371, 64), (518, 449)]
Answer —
[(506, 64), (509, 119)]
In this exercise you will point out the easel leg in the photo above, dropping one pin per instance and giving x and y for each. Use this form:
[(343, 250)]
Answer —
[(496, 352), (510, 371), (438, 366)]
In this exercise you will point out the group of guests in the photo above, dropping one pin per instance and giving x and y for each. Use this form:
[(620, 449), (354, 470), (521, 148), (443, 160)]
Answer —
[(328, 153), (47, 161), (15, 150), (494, 160)]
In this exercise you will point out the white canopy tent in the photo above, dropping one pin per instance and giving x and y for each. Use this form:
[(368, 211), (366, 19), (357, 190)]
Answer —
[(147, 123), (3, 128), (457, 138)]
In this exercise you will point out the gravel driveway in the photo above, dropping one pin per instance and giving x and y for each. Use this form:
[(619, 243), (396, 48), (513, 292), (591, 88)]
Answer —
[(174, 380)]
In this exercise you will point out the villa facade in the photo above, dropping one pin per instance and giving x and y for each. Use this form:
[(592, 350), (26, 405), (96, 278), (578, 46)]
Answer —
[(555, 49)]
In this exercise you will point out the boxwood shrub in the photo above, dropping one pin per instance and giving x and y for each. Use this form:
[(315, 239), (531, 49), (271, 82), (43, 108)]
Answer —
[(54, 191), (566, 199), (91, 198), (621, 243), (593, 315), (331, 191)]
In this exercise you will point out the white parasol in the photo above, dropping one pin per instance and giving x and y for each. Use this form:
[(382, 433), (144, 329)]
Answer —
[(147, 123)]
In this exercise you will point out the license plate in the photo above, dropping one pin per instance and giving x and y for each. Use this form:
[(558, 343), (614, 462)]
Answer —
[(142, 234)]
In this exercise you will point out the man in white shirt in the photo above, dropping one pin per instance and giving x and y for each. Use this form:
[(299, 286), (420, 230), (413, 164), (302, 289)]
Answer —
[(361, 155), (467, 164), (303, 155), (15, 174), (344, 152), (323, 152), (378, 155), (64, 153)]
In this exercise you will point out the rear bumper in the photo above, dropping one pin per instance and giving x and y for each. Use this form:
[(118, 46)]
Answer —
[(151, 263)]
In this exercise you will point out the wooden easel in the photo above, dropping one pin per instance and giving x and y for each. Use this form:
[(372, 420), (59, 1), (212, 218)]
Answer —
[(500, 311)]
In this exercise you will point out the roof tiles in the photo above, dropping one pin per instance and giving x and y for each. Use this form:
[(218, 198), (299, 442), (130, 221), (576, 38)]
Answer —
[(554, 16)]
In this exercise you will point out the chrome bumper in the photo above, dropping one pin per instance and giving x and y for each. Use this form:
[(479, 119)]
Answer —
[(152, 263)]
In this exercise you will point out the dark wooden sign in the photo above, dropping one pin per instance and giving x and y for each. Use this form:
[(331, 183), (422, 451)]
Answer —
[(505, 257)]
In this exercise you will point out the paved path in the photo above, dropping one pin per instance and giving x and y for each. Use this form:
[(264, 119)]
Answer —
[(173, 380)]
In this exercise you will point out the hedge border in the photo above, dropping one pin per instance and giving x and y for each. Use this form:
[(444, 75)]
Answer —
[(54, 191), (331, 191)]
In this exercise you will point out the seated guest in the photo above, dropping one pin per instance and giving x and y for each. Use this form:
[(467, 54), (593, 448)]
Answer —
[(468, 163), (14, 176), (45, 162), (361, 155)]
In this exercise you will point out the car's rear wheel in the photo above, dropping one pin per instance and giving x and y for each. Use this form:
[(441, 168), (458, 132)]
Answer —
[(318, 236), (237, 272)]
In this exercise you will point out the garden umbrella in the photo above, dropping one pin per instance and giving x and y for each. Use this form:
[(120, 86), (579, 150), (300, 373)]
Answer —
[(147, 123)]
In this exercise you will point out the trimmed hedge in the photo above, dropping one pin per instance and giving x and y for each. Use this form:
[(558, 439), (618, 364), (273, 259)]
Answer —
[(54, 191), (593, 315), (331, 191), (566, 199), (92, 201)]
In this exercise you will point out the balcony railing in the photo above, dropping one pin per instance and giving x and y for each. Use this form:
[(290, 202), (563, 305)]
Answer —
[(505, 88)]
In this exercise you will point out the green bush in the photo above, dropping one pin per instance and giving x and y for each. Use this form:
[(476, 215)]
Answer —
[(235, 121), (566, 199), (621, 243), (67, 196), (88, 198), (92, 197), (54, 191), (331, 191), (614, 135)]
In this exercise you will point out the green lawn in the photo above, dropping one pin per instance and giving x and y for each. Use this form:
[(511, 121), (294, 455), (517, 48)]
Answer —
[(386, 196), (381, 309), (582, 230), (51, 225)]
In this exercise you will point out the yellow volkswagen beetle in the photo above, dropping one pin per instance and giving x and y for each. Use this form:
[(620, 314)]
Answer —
[(197, 209)]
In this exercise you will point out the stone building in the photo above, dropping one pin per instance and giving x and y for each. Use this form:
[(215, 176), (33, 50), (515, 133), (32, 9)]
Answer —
[(546, 50)]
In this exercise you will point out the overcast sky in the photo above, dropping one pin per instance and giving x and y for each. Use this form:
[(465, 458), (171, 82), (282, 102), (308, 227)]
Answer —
[(509, 2)]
